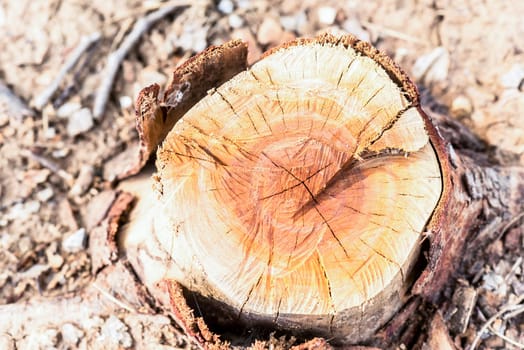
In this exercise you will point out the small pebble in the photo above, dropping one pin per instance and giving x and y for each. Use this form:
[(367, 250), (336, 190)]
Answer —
[(55, 261), (494, 282), (79, 122), (461, 107), (45, 194), (303, 24), (67, 109), (116, 331), (226, 6), (45, 339), (514, 77), (60, 153), (432, 67), (71, 334), (24, 244), (23, 211), (83, 181), (235, 21), (125, 102), (75, 242), (32, 207), (194, 38), (50, 132), (327, 15), (296, 23), (33, 272), (289, 22), (269, 31), (353, 26)]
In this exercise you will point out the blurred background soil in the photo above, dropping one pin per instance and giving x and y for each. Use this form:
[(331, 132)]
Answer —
[(57, 157)]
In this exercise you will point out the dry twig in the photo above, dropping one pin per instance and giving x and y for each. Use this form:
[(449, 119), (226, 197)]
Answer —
[(115, 58), (512, 222), (507, 308), (41, 100), (391, 32), (49, 164), (12, 105), (113, 299), (505, 338)]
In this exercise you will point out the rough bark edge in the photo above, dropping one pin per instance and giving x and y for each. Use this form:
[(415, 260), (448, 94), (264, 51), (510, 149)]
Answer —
[(441, 259), (476, 189), (102, 242), (193, 326), (156, 116)]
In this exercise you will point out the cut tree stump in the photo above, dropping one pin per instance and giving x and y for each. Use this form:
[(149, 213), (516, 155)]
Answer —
[(309, 193)]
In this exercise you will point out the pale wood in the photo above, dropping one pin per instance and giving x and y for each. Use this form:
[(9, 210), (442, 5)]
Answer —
[(297, 192)]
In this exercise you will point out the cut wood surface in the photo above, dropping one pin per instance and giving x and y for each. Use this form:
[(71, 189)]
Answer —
[(297, 192)]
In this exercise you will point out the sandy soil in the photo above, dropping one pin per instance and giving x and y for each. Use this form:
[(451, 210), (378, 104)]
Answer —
[(57, 157)]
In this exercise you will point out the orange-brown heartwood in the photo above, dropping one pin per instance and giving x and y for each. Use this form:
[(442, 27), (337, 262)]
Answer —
[(308, 193)]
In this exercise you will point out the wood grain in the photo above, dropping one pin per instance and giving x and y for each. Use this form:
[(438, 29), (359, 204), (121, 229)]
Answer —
[(299, 187)]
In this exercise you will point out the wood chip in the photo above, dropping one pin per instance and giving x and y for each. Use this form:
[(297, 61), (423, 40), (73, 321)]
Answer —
[(462, 303)]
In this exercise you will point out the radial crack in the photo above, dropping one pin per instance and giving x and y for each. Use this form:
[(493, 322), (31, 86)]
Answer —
[(314, 200), (296, 185), (384, 257)]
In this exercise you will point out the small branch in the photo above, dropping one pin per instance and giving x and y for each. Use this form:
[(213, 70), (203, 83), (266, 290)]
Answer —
[(487, 324), (49, 164), (41, 100), (113, 299), (511, 223), (513, 269), (14, 106), (506, 339), (115, 58), (391, 32)]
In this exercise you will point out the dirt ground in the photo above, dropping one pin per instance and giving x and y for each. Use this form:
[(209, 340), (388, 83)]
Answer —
[(58, 157)]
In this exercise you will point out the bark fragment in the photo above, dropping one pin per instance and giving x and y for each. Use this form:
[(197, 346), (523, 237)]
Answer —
[(191, 81)]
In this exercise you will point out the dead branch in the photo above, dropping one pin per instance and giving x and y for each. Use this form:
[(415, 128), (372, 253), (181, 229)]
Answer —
[(115, 58), (12, 105), (49, 164), (509, 307), (87, 41)]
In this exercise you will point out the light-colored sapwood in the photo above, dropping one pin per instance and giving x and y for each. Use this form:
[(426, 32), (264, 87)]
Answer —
[(296, 193)]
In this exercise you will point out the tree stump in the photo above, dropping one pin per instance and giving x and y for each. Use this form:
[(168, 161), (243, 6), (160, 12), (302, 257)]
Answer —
[(298, 194)]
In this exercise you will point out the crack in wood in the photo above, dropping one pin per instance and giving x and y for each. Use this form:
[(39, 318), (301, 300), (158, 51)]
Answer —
[(345, 71), (314, 199), (328, 282), (262, 114), (296, 185), (382, 255)]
